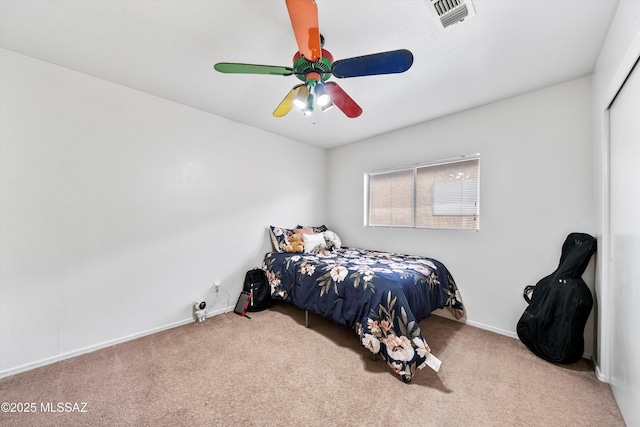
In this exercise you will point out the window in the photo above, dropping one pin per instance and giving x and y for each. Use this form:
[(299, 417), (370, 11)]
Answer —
[(443, 194)]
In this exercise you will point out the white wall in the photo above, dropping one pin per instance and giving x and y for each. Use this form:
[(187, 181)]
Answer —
[(615, 355), (118, 210), (535, 185)]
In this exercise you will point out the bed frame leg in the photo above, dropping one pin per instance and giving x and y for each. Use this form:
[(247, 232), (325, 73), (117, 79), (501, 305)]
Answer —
[(306, 318)]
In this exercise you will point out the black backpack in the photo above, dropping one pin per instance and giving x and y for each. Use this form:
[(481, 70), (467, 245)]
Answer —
[(552, 326), (256, 283)]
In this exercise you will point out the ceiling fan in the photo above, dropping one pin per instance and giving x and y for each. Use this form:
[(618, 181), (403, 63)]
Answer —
[(314, 65)]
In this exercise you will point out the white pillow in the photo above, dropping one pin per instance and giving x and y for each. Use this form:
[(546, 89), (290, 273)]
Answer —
[(312, 241)]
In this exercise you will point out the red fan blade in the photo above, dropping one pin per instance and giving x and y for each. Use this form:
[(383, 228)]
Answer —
[(304, 19), (343, 101)]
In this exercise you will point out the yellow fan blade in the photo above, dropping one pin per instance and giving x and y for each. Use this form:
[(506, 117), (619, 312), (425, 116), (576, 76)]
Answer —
[(287, 103)]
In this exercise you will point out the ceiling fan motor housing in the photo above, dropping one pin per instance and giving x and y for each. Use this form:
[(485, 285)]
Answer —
[(308, 71)]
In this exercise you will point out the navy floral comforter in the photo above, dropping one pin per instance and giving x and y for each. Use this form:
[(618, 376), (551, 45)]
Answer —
[(381, 295)]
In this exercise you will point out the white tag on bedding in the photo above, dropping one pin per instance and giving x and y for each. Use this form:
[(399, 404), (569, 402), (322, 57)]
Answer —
[(433, 362)]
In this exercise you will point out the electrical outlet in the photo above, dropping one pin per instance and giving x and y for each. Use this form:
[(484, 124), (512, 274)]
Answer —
[(216, 286)]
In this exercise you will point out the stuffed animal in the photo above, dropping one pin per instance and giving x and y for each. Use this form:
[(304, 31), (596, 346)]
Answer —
[(320, 249), (295, 243), (333, 241)]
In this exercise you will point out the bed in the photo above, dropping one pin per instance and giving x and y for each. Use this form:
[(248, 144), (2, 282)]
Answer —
[(383, 296)]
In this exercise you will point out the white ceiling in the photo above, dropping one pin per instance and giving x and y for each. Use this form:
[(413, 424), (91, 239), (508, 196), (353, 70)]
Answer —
[(168, 48)]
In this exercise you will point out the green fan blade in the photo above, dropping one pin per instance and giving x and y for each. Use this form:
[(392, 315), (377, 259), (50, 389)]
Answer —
[(229, 67)]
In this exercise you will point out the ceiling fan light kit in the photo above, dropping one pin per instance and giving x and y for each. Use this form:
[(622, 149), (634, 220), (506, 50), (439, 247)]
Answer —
[(314, 65), (300, 99), (322, 95)]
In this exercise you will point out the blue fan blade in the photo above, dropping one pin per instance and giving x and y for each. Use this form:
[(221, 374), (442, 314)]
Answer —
[(395, 61)]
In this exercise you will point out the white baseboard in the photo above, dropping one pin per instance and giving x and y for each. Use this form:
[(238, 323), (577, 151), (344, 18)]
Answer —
[(218, 311), (69, 355), (511, 334), (600, 375), (447, 315), (493, 329)]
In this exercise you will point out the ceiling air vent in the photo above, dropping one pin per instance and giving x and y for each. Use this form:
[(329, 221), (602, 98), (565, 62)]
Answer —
[(449, 12)]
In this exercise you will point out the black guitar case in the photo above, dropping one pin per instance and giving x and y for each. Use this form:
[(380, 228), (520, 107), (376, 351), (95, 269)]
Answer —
[(552, 326)]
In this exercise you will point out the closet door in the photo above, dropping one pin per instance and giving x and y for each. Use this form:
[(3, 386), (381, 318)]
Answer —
[(624, 115)]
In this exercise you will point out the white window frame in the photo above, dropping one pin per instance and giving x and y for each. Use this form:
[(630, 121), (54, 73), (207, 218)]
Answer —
[(461, 212)]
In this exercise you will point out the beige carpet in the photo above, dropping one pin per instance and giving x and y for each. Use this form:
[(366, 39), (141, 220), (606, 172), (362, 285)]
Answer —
[(272, 371)]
